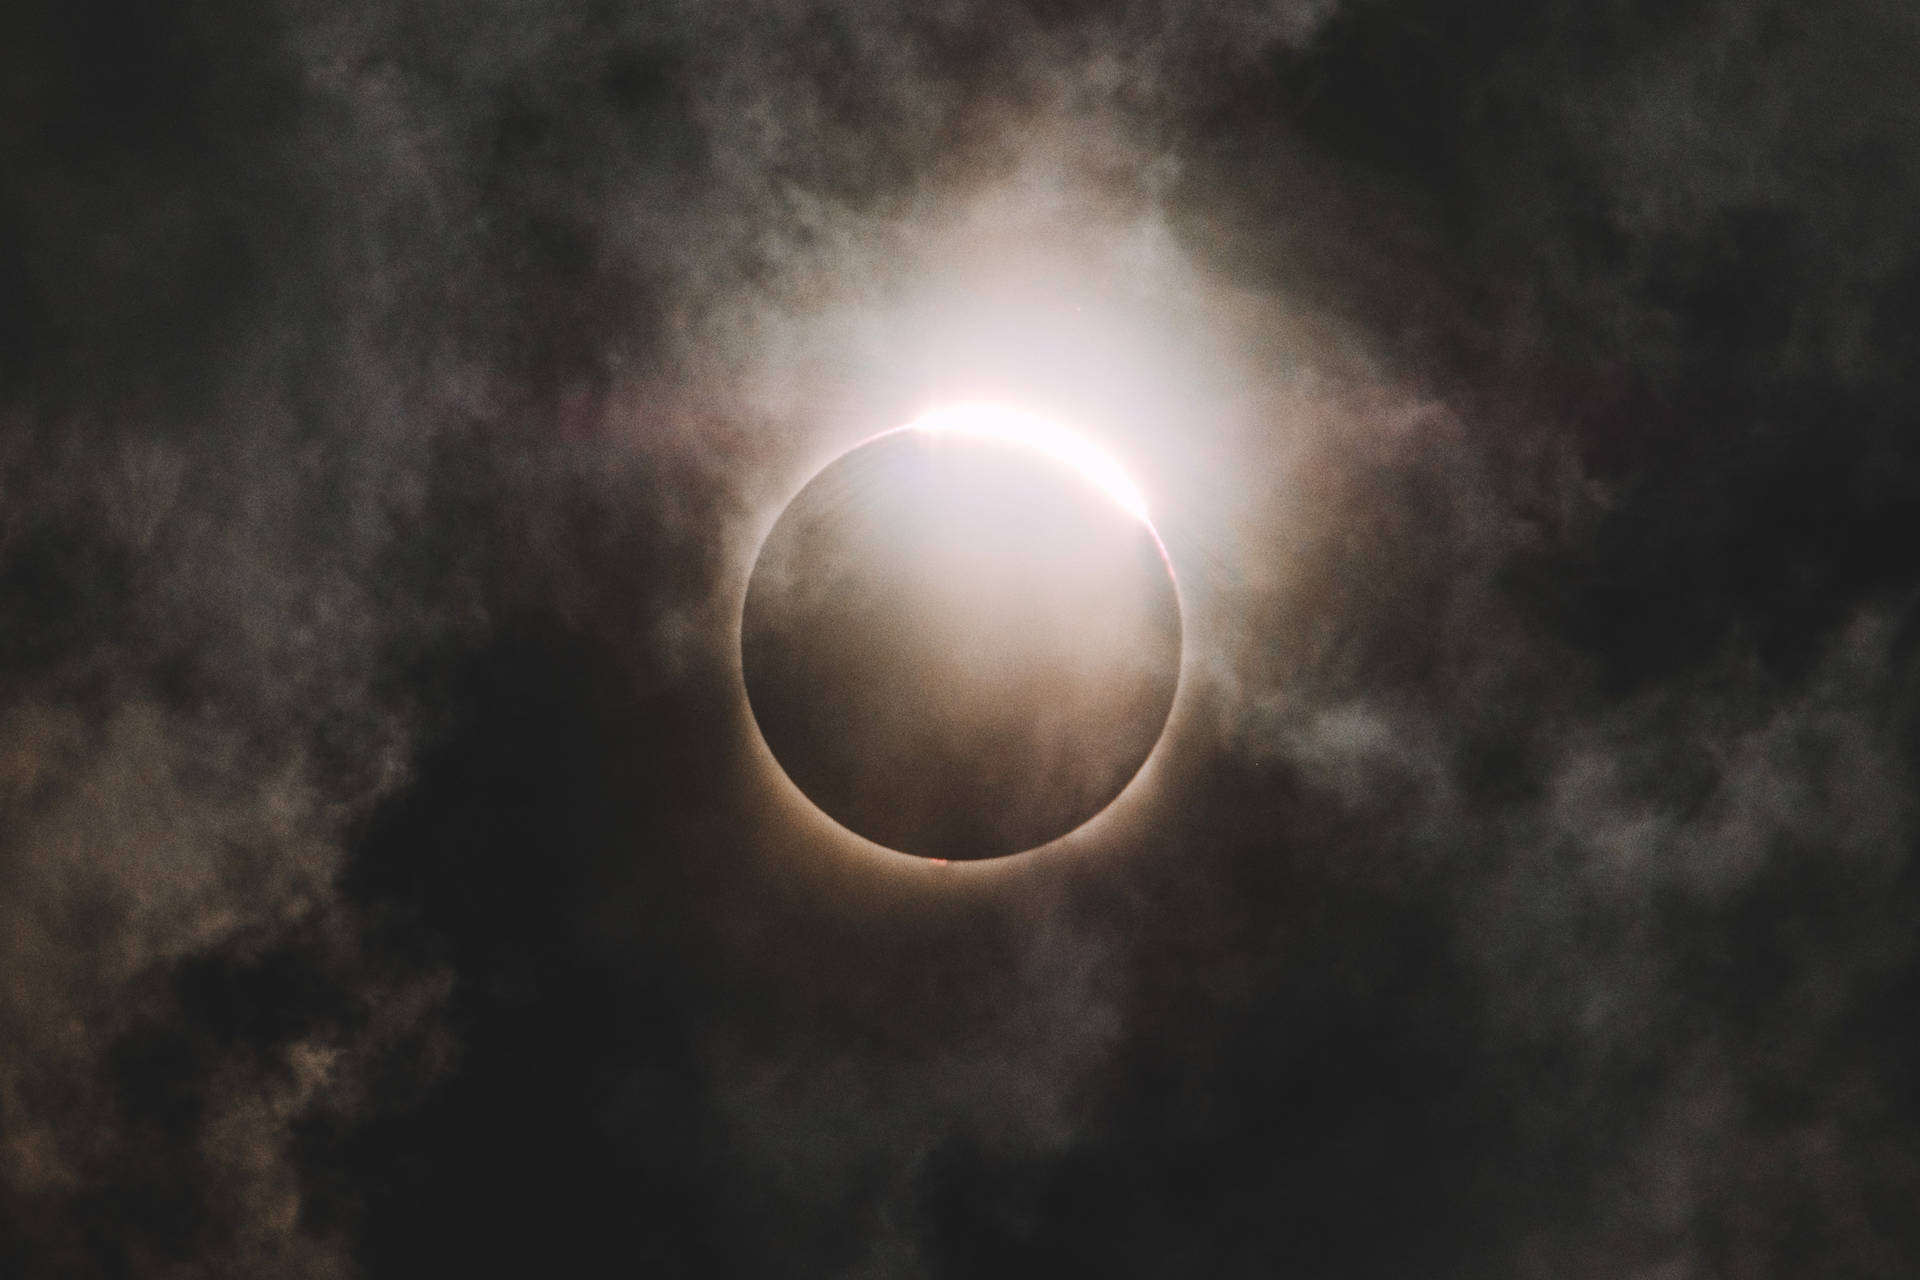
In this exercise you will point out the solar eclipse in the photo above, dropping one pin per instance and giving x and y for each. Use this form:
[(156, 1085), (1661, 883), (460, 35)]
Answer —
[(962, 638)]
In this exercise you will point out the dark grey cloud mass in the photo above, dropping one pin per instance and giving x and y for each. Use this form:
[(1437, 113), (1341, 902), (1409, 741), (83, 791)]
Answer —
[(391, 400)]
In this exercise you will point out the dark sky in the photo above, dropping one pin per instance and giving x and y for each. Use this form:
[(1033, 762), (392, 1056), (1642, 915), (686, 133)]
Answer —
[(391, 399)]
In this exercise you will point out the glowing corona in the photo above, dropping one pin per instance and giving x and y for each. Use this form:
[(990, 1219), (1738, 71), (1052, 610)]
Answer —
[(1033, 431)]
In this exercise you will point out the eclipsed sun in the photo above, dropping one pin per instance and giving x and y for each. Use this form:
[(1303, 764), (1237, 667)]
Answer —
[(962, 637)]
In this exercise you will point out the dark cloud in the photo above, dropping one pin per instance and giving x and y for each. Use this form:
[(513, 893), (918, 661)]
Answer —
[(391, 401)]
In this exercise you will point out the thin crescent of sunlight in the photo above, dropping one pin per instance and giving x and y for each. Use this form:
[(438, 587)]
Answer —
[(1034, 431)]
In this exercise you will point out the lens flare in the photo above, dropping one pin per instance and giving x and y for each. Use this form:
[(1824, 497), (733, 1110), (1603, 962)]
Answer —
[(1034, 431)]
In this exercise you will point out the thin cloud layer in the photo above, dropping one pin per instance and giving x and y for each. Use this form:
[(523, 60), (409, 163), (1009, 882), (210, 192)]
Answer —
[(390, 406)]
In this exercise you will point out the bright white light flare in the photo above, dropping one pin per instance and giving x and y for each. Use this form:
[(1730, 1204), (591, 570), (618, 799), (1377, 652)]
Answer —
[(1033, 431)]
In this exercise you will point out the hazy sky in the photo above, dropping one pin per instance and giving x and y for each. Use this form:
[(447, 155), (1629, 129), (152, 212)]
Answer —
[(392, 400)]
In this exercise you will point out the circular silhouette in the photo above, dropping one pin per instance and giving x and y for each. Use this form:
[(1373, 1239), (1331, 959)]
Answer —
[(961, 644)]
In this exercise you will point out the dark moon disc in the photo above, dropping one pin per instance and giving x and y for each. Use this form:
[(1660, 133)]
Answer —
[(959, 646)]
